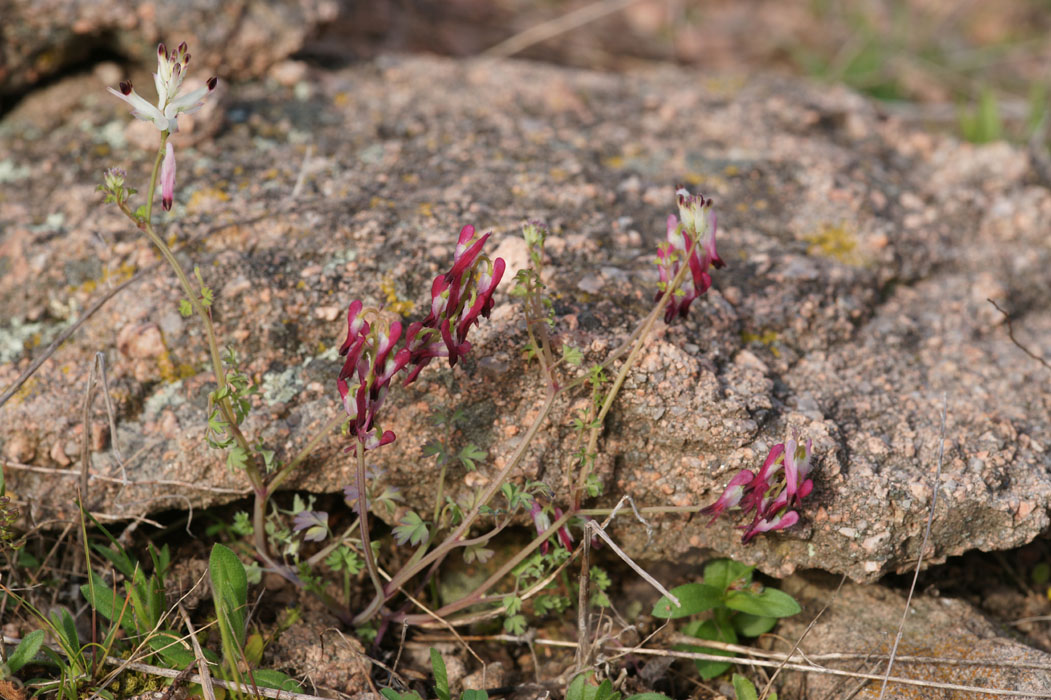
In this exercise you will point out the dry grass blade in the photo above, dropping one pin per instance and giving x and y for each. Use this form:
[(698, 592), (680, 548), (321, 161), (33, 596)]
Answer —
[(776, 660), (923, 547), (1011, 330), (552, 28), (202, 663), (795, 647)]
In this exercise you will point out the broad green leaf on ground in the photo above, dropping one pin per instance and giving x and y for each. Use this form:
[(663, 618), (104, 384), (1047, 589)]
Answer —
[(721, 573), (707, 629), (770, 603), (693, 597), (748, 625)]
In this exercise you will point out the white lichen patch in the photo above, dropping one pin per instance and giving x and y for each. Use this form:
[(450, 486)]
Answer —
[(12, 172), (167, 396), (15, 338), (282, 387)]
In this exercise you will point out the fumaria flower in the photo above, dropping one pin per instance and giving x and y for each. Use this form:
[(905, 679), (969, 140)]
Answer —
[(781, 484), (168, 177), (691, 237), (372, 352), (171, 68)]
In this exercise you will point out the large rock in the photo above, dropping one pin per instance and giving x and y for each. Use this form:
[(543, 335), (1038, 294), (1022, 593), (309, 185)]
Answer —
[(864, 620), (39, 39), (860, 256)]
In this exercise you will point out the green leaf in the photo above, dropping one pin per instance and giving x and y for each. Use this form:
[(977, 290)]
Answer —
[(412, 529), (748, 625), (106, 601), (254, 649), (649, 696), (25, 651), (119, 558), (580, 689), (236, 458), (470, 454), (185, 308), (693, 597), (707, 629), (174, 650), (770, 603), (573, 356), (441, 676), (515, 624), (268, 678), (474, 695), (743, 688), (392, 694), (575, 691), (230, 593), (723, 573)]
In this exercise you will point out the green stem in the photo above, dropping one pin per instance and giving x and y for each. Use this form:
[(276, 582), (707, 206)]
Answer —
[(254, 475), (640, 339), (285, 471), (475, 596), (453, 540), (363, 523)]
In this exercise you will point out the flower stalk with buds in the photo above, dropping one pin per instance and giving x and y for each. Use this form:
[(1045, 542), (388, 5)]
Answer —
[(781, 484)]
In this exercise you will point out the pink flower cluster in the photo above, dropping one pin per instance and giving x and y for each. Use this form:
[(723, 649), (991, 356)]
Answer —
[(542, 521), (458, 298), (781, 484), (694, 233)]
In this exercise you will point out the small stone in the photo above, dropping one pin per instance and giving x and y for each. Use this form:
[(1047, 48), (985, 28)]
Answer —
[(20, 448), (288, 73), (140, 341), (58, 455)]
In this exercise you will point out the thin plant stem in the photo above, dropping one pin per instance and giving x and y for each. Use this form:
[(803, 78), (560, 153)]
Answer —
[(611, 395), (254, 476), (454, 538), (475, 596), (363, 522), (285, 471)]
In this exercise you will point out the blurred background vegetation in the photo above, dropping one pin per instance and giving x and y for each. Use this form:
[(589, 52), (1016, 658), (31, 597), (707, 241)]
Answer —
[(978, 67)]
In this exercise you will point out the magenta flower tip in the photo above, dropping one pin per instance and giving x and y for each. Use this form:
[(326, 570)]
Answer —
[(168, 177)]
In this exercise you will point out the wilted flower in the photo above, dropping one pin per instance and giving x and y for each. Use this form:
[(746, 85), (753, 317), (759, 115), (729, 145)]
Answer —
[(779, 485), (171, 67), (693, 233)]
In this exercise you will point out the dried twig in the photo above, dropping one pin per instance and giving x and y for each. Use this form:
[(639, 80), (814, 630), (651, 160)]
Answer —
[(554, 27), (202, 663), (111, 480), (777, 659), (795, 647), (923, 548), (1011, 335)]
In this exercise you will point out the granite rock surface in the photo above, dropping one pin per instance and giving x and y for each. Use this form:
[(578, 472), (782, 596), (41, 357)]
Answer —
[(860, 256), (864, 620), (42, 39)]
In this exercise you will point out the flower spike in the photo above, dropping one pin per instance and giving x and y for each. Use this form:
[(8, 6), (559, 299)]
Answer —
[(779, 485)]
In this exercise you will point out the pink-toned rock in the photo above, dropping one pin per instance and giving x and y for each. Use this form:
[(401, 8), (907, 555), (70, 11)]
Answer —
[(832, 317)]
